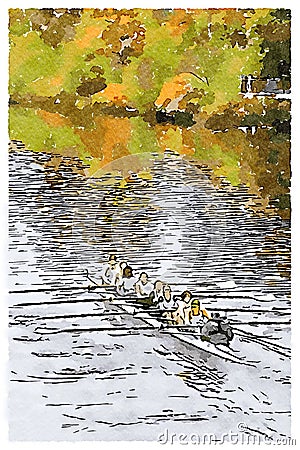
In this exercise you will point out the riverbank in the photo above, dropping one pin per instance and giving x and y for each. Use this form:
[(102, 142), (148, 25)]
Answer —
[(139, 164)]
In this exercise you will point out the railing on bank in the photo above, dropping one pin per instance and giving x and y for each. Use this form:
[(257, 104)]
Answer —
[(251, 85)]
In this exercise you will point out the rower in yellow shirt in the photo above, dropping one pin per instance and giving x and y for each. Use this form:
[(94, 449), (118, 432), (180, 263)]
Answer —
[(199, 314)]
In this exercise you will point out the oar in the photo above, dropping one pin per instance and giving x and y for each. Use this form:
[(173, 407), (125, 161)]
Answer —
[(71, 316), (261, 341), (250, 311), (261, 322), (91, 329), (61, 302), (64, 288), (53, 289), (246, 335), (88, 277)]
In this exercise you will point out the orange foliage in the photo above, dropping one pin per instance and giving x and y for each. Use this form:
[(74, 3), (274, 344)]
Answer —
[(232, 17), (116, 137), (188, 142), (232, 141), (56, 81), (173, 89), (208, 139), (179, 22), (124, 20), (114, 92), (90, 33), (53, 119), (108, 141)]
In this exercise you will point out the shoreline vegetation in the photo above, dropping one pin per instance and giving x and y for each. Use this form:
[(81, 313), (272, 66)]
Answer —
[(100, 85)]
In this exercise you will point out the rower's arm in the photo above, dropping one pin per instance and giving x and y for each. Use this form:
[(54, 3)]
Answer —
[(205, 314), (104, 275), (137, 288)]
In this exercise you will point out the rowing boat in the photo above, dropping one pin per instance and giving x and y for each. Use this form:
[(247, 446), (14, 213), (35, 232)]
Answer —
[(179, 332), (195, 340), (131, 307)]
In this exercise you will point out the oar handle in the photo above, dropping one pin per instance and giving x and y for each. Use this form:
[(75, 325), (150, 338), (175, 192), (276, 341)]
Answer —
[(89, 278)]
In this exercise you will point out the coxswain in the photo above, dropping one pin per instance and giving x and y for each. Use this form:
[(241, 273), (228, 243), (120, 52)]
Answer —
[(217, 330)]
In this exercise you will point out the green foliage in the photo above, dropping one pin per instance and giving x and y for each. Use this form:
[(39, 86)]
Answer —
[(207, 50), (273, 156), (143, 138), (184, 119), (276, 52), (285, 182), (26, 125), (282, 202), (282, 14), (32, 61), (19, 23), (273, 114), (226, 162), (88, 63), (278, 138), (251, 120)]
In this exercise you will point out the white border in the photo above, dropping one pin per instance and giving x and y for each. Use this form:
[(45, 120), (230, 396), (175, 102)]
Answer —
[(294, 6)]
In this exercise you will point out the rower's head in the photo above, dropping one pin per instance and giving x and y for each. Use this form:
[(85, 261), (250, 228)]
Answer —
[(195, 307), (112, 260), (216, 316), (186, 296), (158, 285), (128, 272), (167, 292), (144, 277), (122, 266)]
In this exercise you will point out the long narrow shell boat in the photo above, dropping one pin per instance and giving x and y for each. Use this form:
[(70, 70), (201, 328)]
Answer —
[(178, 332)]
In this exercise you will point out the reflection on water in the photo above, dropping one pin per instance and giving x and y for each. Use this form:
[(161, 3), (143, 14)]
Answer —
[(133, 385)]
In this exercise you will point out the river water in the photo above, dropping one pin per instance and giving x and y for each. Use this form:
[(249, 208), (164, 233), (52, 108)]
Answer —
[(68, 382)]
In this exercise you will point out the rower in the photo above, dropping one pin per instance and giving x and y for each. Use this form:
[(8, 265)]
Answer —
[(167, 304), (120, 271), (183, 312), (199, 315), (125, 285), (156, 295), (217, 330), (165, 301), (143, 286), (109, 271)]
